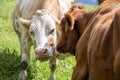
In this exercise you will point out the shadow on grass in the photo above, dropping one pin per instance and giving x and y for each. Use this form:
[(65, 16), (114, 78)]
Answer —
[(10, 65)]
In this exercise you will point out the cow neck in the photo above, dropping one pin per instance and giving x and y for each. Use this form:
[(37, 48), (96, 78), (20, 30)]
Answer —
[(85, 21), (90, 15)]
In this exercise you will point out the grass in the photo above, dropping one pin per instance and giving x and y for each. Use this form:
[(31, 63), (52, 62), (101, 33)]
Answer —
[(10, 54)]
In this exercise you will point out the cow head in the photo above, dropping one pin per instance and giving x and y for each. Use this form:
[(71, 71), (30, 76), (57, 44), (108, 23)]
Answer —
[(68, 35), (69, 29), (42, 31)]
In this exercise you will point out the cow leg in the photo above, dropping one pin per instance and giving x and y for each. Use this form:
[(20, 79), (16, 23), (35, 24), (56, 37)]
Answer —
[(80, 72), (117, 65), (81, 69), (25, 58), (53, 65)]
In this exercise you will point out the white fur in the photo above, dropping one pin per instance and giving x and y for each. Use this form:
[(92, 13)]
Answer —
[(26, 9), (41, 26)]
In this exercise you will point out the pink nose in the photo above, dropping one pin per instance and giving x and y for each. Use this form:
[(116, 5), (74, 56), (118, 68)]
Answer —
[(41, 51)]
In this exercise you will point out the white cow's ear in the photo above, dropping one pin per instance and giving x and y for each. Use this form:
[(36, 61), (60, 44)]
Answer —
[(25, 22)]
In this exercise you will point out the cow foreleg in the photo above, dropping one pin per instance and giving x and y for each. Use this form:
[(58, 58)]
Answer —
[(25, 58), (80, 72), (81, 69), (117, 65), (53, 65)]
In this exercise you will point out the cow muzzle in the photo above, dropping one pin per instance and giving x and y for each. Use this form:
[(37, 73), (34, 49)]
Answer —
[(61, 48), (41, 51), (41, 54)]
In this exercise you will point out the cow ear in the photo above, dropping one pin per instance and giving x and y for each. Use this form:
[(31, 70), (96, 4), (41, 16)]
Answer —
[(25, 22), (70, 20)]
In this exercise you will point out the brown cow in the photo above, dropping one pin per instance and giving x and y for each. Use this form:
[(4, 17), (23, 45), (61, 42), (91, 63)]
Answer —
[(98, 50)]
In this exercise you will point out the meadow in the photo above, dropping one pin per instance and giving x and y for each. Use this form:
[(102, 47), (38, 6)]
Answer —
[(10, 53)]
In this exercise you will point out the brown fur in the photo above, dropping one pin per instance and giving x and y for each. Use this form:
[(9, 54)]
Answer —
[(97, 50), (98, 45), (72, 27)]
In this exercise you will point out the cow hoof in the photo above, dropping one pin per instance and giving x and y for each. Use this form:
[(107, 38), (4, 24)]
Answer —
[(22, 75)]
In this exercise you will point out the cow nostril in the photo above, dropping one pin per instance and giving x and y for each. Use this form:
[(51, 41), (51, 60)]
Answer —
[(36, 52), (45, 51)]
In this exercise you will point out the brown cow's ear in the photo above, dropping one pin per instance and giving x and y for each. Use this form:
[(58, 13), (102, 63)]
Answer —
[(25, 22), (70, 20)]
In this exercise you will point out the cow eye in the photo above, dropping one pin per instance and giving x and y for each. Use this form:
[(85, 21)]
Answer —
[(51, 32)]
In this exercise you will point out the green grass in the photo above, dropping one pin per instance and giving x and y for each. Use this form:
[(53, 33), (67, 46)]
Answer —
[(10, 54)]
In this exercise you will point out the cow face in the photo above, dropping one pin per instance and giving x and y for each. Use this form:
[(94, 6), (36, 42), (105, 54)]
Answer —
[(42, 31), (69, 35)]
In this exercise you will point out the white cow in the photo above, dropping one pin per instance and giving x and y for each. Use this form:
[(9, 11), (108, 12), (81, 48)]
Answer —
[(35, 26)]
